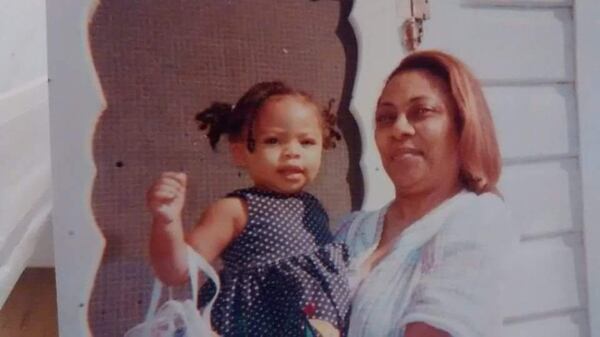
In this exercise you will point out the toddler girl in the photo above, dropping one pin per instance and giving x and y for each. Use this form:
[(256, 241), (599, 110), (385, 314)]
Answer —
[(282, 273)]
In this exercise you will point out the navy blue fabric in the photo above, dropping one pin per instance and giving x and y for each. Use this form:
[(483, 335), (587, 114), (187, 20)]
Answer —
[(282, 269)]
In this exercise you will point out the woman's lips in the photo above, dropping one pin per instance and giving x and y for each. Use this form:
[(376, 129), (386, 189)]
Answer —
[(406, 153)]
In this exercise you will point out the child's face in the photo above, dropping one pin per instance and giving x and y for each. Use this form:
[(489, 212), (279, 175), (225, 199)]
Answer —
[(289, 144)]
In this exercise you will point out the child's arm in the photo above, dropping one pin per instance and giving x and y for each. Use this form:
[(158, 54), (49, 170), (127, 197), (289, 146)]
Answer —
[(165, 199), (218, 226)]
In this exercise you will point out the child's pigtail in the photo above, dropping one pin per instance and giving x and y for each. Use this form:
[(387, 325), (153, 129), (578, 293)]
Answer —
[(331, 132), (216, 119)]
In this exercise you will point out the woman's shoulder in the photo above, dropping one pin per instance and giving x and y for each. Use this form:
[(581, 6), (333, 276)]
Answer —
[(355, 218), (470, 202), (358, 229), (483, 218), (476, 208)]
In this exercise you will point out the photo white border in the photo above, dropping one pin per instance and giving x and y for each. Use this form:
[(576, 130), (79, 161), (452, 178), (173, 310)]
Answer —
[(76, 102)]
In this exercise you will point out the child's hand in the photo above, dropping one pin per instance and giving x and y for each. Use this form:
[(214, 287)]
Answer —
[(165, 198)]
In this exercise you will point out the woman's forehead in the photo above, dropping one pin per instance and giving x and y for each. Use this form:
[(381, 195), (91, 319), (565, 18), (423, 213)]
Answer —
[(413, 84)]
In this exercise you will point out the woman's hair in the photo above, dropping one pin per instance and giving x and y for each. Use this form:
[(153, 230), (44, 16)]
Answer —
[(480, 160), (233, 121)]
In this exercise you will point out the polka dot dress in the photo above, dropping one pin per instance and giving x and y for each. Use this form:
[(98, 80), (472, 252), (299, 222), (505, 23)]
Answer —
[(282, 269)]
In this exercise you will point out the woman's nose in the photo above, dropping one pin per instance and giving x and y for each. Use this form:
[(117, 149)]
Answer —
[(403, 127)]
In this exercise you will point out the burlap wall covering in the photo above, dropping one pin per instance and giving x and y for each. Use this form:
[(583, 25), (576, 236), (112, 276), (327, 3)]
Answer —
[(159, 62)]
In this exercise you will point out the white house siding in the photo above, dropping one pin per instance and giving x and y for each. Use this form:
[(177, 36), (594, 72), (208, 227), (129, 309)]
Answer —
[(524, 53), (24, 139)]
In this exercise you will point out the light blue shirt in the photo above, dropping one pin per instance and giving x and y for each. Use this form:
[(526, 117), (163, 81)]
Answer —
[(443, 269)]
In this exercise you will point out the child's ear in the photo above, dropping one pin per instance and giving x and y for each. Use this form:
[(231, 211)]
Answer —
[(238, 153)]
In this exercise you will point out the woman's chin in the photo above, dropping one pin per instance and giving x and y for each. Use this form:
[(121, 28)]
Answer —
[(406, 176), (407, 184)]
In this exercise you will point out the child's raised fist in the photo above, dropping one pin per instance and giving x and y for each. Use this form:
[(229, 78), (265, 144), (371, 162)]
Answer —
[(165, 198)]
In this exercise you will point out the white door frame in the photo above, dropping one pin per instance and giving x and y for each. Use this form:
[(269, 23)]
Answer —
[(587, 42), (76, 102)]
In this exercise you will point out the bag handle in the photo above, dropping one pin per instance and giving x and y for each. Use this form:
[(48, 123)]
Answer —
[(156, 292), (195, 263), (198, 262)]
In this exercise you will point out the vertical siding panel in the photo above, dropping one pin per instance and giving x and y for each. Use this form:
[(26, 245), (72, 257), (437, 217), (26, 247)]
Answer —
[(588, 100)]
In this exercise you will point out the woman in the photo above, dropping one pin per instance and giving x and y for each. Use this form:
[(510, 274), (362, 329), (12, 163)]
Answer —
[(426, 264)]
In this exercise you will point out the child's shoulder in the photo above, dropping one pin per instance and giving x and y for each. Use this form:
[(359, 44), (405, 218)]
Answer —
[(231, 208), (229, 203)]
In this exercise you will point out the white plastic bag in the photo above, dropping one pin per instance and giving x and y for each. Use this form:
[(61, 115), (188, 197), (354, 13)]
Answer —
[(179, 318)]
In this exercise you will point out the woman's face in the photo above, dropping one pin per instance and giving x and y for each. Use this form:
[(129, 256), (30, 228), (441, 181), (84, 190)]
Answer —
[(416, 133)]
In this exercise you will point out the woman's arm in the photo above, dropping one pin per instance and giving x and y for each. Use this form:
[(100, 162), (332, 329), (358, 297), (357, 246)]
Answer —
[(420, 329), (343, 226), (457, 290)]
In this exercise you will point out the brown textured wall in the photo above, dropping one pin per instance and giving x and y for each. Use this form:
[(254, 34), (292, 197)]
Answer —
[(159, 62)]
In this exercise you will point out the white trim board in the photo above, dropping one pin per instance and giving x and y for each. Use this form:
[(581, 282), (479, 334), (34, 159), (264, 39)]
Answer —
[(587, 26), (75, 104)]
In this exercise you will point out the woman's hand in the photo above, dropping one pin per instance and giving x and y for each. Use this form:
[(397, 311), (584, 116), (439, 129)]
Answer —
[(420, 329), (165, 198), (325, 328)]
